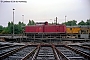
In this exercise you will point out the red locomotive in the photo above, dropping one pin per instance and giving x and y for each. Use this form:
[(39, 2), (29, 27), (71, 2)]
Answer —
[(45, 28), (45, 32)]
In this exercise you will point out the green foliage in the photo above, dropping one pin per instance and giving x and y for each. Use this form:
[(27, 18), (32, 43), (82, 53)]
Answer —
[(10, 27), (71, 23), (74, 23), (82, 23), (88, 22), (5, 31), (31, 22), (18, 28), (21, 24), (1, 28)]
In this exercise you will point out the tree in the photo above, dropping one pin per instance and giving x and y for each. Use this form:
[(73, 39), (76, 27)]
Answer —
[(9, 24), (31, 22), (10, 27), (88, 22), (17, 29), (82, 23), (74, 23), (70, 23), (1, 29), (5, 31), (19, 23), (23, 24)]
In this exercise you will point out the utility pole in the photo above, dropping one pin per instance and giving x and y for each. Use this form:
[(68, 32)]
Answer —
[(56, 20), (65, 24), (22, 25), (13, 23), (65, 19), (23, 18)]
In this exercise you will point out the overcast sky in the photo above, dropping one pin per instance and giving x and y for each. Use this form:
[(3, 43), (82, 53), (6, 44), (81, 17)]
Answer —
[(45, 10)]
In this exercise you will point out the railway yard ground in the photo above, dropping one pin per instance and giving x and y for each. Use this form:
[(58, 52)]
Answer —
[(45, 51)]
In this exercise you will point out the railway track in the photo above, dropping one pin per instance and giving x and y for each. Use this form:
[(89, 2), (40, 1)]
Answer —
[(20, 54), (4, 45), (7, 49), (81, 48), (88, 46), (68, 54), (43, 52)]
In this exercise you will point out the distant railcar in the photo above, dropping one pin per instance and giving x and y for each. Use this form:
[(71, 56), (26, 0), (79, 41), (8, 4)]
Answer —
[(85, 29), (73, 29)]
